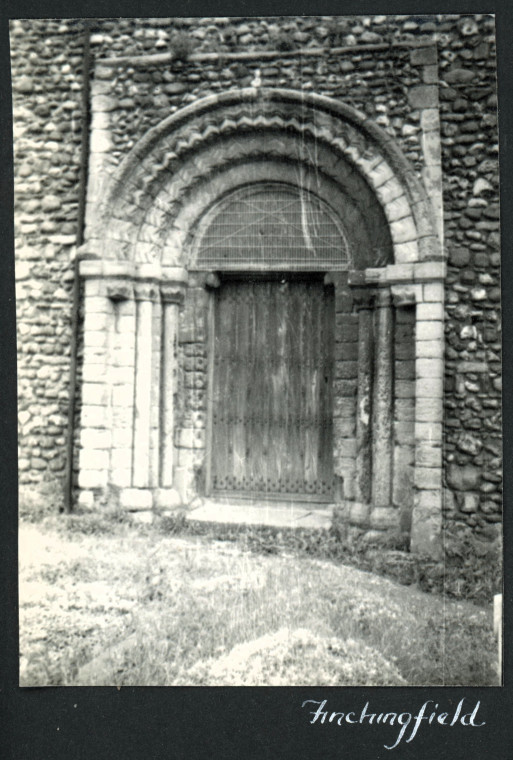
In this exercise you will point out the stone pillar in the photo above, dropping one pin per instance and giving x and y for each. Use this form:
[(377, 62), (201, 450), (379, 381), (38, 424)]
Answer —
[(429, 371), (171, 298), (121, 373), (95, 434), (101, 163), (404, 405), (382, 403), (364, 303), (156, 381), (145, 294)]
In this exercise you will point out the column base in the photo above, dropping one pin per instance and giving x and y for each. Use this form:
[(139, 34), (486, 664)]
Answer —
[(369, 516)]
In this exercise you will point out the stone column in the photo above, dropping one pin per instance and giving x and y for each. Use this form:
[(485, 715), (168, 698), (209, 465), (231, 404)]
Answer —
[(429, 371), (121, 373), (101, 163), (145, 295), (364, 301), (171, 298), (156, 377), (382, 403), (95, 434)]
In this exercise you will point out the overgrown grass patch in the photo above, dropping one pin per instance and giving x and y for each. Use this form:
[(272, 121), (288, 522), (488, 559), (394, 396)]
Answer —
[(143, 606), (470, 569)]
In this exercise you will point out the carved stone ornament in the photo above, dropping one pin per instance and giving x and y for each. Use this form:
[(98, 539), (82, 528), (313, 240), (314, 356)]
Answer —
[(383, 298), (172, 293), (363, 298), (404, 295), (146, 291), (212, 280), (119, 290)]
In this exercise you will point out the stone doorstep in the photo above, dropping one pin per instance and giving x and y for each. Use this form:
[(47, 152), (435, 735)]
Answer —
[(275, 514), (266, 514)]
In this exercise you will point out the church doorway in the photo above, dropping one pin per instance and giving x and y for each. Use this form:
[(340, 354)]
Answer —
[(271, 380)]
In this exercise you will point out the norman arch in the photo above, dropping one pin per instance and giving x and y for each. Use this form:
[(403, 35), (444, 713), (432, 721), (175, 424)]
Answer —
[(159, 303)]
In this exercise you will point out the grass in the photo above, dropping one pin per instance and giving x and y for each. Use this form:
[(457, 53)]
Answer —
[(106, 603)]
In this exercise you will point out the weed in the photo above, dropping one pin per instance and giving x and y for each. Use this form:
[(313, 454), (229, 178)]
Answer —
[(40, 502), (130, 607), (470, 570), (337, 28), (182, 45), (282, 40)]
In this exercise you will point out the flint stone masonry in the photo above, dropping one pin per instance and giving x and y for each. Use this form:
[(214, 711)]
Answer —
[(437, 102)]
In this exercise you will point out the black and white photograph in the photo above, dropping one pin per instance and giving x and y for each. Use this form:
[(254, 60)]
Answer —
[(258, 309)]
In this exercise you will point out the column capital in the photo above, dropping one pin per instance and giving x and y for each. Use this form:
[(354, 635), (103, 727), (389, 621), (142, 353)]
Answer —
[(119, 289), (406, 295), (212, 280), (171, 292), (208, 279), (383, 298), (363, 298), (146, 291)]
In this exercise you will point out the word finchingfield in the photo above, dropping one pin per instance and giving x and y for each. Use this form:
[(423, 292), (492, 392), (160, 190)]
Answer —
[(428, 712)]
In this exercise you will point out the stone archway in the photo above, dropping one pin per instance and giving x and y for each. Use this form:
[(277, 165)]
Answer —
[(140, 231)]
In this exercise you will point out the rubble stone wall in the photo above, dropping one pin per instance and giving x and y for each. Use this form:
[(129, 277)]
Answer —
[(47, 108), (414, 93)]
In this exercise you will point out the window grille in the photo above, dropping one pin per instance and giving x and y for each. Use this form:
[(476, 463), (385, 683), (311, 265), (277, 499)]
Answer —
[(272, 227)]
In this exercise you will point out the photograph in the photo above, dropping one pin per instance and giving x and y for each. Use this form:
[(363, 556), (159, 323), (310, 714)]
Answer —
[(258, 313)]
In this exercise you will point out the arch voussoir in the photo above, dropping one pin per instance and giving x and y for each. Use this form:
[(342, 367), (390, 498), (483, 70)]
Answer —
[(161, 199), (170, 147)]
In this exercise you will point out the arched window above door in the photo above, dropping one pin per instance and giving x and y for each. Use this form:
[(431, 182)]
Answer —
[(271, 226)]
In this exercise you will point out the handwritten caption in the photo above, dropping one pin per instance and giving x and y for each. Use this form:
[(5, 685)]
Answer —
[(407, 722)]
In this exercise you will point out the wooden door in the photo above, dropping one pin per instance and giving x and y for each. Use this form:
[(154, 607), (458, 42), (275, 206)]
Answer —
[(271, 389)]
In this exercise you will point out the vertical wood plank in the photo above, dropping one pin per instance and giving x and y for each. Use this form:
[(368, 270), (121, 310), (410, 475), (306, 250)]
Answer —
[(271, 366), (237, 372), (328, 332)]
